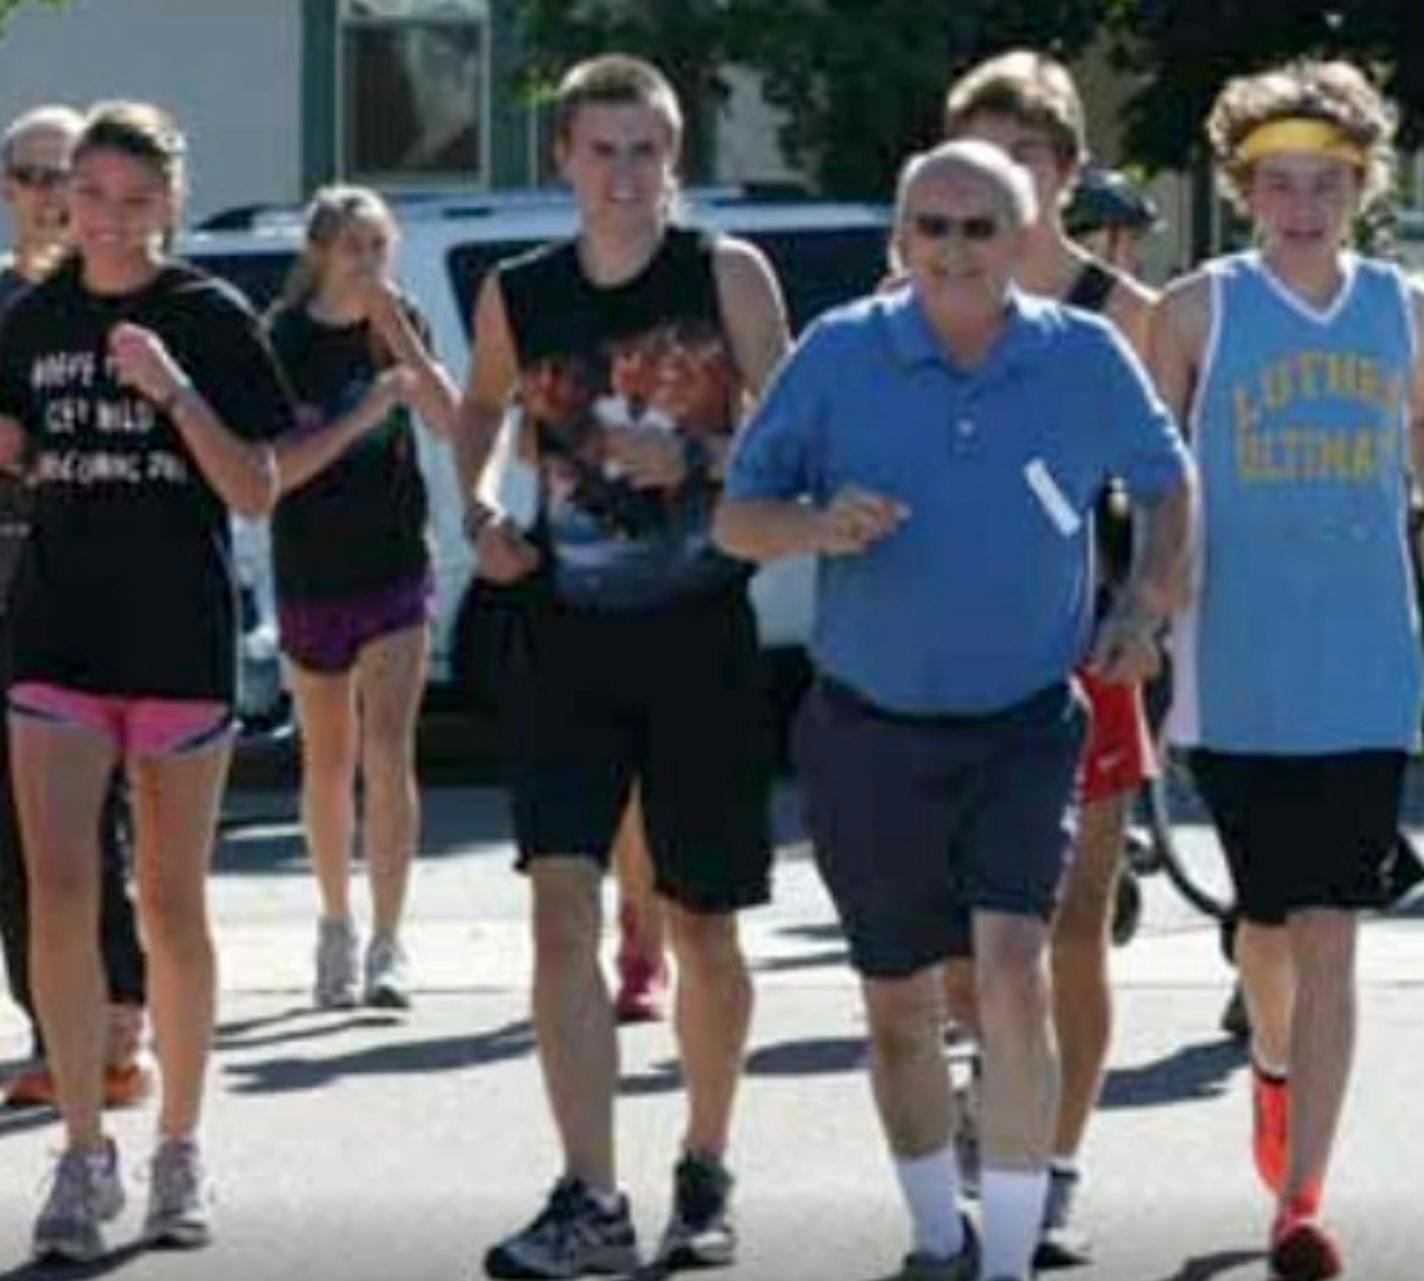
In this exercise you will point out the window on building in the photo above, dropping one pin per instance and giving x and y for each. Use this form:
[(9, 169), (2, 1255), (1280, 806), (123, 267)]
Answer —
[(413, 80)]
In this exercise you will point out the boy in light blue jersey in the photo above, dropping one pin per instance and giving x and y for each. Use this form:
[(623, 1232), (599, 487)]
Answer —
[(1298, 371)]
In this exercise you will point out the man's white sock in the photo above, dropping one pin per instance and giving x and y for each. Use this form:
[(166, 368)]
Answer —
[(1013, 1219), (931, 1188)]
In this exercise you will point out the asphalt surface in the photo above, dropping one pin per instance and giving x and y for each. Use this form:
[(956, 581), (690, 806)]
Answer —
[(367, 1147)]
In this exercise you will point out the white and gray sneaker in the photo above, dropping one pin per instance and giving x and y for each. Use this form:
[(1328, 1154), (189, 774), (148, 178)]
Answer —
[(87, 1191), (571, 1236), (387, 980), (1062, 1242), (180, 1197), (337, 957)]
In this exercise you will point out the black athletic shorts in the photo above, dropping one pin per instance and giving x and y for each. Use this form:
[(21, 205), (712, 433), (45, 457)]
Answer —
[(1303, 831), (671, 698)]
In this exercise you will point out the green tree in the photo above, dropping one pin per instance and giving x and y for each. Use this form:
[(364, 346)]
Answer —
[(859, 81), (1185, 50)]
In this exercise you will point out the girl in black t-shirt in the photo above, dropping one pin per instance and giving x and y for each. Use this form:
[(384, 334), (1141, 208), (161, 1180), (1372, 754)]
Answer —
[(353, 570), (146, 397)]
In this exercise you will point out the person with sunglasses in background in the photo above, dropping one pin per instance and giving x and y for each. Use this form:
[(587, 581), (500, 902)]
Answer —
[(35, 152), (952, 436)]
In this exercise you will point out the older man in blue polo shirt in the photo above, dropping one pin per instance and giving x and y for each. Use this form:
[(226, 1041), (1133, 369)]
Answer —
[(951, 438)]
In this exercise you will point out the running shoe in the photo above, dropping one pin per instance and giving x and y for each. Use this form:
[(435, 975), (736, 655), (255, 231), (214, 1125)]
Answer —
[(1270, 1127), (571, 1236), (700, 1233), (126, 1085), (1302, 1249), (387, 979), (964, 1266), (86, 1192), (179, 1197), (337, 955), (1063, 1243)]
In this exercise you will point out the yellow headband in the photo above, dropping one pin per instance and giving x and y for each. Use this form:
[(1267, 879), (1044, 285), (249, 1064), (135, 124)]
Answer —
[(1299, 133)]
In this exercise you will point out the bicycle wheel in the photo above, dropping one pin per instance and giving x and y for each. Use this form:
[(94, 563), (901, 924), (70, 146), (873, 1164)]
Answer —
[(1184, 843)]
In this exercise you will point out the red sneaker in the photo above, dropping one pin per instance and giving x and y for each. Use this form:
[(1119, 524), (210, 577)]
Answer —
[(33, 1088), (640, 991), (1270, 1116), (1302, 1250), (127, 1085)]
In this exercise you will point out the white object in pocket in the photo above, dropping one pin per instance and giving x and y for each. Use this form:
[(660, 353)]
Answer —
[(1054, 500)]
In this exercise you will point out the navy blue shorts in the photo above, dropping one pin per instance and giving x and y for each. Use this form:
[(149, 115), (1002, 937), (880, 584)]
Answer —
[(915, 820)]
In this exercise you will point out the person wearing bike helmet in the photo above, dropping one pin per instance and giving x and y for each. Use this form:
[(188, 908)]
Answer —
[(1297, 368), (1110, 217)]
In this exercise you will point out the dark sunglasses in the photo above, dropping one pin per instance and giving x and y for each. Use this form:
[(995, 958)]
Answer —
[(977, 228), (38, 175)]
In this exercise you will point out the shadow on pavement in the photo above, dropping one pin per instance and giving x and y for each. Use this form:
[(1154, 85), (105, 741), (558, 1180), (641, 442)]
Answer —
[(446, 1054), (1204, 1267), (319, 1026), (805, 961), (1191, 1072), (817, 1056), (22, 1120), (119, 1257)]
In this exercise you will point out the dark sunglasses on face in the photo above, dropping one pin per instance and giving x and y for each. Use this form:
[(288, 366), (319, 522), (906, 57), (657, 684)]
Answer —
[(38, 175), (977, 228)]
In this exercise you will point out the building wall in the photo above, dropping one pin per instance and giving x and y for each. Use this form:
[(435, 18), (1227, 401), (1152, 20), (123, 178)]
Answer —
[(230, 70)]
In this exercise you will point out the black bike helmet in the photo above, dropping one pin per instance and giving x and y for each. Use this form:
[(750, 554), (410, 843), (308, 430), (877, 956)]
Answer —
[(1107, 198)]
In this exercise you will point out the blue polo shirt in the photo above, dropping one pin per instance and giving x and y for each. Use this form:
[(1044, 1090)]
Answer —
[(983, 595)]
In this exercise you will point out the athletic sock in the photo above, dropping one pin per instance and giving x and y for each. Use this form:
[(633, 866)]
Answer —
[(1013, 1219), (931, 1188)]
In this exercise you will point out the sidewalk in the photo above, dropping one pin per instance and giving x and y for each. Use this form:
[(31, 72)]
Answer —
[(365, 1146)]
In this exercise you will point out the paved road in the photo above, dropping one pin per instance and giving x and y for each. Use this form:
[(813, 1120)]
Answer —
[(367, 1147)]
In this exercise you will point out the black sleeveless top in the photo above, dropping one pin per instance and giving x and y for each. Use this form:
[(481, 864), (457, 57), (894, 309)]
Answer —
[(359, 525), (1112, 524), (650, 352)]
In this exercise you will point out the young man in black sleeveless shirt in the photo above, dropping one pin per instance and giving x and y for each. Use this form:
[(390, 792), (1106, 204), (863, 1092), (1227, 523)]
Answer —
[(630, 350)]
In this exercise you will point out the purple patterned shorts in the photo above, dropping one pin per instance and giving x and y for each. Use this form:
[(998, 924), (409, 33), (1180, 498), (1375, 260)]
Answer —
[(327, 635)]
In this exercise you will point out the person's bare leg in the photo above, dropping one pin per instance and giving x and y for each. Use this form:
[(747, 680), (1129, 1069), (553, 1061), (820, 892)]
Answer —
[(326, 713), (390, 677), (712, 1018), (175, 800), (1322, 1049), (1019, 1091), (961, 994), (640, 911), (1082, 995), (1268, 981), (573, 1016), (60, 774), (905, 1019)]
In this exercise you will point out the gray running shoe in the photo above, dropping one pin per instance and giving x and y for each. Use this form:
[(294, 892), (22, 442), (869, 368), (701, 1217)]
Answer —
[(964, 1266), (387, 983), (87, 1192), (700, 1232), (571, 1236), (179, 1197), (1063, 1244), (337, 956)]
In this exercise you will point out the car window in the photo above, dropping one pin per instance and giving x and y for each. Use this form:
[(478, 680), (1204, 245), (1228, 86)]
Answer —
[(467, 265), (818, 267), (259, 277), (821, 268)]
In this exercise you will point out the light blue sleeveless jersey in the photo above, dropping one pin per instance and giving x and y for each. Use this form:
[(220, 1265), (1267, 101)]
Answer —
[(1303, 636)]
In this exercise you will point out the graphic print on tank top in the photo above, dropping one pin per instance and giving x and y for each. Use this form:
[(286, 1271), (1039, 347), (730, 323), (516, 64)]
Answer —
[(649, 355)]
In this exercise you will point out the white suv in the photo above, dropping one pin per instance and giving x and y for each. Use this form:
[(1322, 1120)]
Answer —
[(823, 253)]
